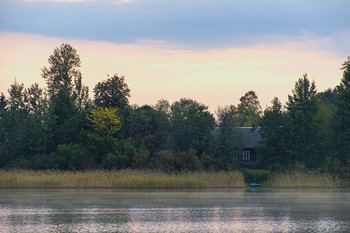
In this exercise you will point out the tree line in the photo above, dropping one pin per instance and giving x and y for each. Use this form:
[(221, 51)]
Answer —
[(61, 127)]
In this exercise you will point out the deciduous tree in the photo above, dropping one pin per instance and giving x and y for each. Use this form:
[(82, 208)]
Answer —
[(249, 109), (191, 126), (113, 92)]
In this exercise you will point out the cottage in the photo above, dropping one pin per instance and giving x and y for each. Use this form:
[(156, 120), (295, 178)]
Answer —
[(251, 137)]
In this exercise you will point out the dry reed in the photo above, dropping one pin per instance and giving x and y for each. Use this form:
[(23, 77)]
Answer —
[(118, 179), (302, 180)]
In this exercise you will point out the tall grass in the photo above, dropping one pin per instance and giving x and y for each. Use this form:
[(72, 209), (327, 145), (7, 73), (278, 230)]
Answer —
[(118, 179), (302, 180)]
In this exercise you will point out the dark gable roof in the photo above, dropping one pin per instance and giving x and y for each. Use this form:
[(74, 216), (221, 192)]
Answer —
[(251, 136)]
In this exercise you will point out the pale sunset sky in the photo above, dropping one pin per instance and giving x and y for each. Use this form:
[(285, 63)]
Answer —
[(212, 51)]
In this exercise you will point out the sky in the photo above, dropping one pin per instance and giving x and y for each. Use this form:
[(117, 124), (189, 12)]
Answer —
[(213, 51)]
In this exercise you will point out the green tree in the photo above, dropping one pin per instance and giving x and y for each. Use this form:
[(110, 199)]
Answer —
[(228, 138), (273, 131), (22, 136), (249, 109), (191, 126), (3, 101), (302, 123), (227, 116), (342, 116), (113, 92), (63, 71), (68, 157), (326, 113), (4, 154), (146, 126), (68, 97), (163, 106)]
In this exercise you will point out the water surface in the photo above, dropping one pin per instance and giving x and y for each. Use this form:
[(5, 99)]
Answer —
[(99, 210)]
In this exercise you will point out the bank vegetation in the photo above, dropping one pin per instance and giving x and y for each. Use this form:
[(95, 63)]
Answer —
[(119, 179)]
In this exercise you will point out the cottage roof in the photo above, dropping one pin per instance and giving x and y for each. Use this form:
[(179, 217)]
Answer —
[(251, 136)]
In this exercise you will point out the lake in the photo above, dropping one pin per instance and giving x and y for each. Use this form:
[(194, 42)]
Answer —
[(237, 210)]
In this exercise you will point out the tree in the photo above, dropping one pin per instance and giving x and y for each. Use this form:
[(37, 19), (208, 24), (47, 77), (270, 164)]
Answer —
[(302, 123), (3, 132), (3, 101), (342, 116), (105, 124), (63, 71), (146, 126), (163, 106), (191, 126), (228, 138), (227, 116), (68, 97), (104, 121), (113, 92), (22, 136), (326, 114), (273, 131), (249, 109)]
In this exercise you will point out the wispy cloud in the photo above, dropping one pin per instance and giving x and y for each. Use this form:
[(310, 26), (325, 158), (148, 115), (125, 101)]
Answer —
[(198, 23), (118, 2), (58, 0)]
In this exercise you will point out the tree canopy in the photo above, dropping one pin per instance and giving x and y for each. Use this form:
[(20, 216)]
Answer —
[(60, 127), (113, 92)]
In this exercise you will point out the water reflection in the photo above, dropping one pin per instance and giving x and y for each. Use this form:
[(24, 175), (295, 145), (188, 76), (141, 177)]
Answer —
[(162, 211)]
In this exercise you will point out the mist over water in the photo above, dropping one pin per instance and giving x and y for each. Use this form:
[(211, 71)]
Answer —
[(174, 211)]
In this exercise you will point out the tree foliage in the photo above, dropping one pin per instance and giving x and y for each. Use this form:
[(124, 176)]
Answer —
[(342, 116), (63, 71), (104, 121), (303, 126), (249, 109), (113, 92), (274, 131), (191, 126)]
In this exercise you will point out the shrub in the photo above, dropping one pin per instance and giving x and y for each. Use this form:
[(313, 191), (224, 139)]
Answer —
[(164, 160), (68, 157), (255, 175)]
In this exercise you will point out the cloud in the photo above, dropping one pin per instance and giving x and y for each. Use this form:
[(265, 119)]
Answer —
[(211, 76), (202, 24), (59, 0), (118, 2)]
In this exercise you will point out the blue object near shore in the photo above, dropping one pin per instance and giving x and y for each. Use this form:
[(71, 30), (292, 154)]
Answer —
[(254, 184)]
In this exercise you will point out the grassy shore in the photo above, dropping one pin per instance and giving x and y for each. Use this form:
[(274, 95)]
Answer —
[(119, 179), (302, 180)]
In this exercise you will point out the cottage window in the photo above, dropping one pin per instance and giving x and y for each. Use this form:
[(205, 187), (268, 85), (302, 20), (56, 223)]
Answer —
[(246, 155)]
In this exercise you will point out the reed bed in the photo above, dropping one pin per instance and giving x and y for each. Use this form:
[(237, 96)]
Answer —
[(302, 180), (118, 179)]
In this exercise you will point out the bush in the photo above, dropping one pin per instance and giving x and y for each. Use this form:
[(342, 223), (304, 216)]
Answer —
[(164, 160), (255, 175), (115, 161), (140, 158), (188, 161), (68, 157)]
